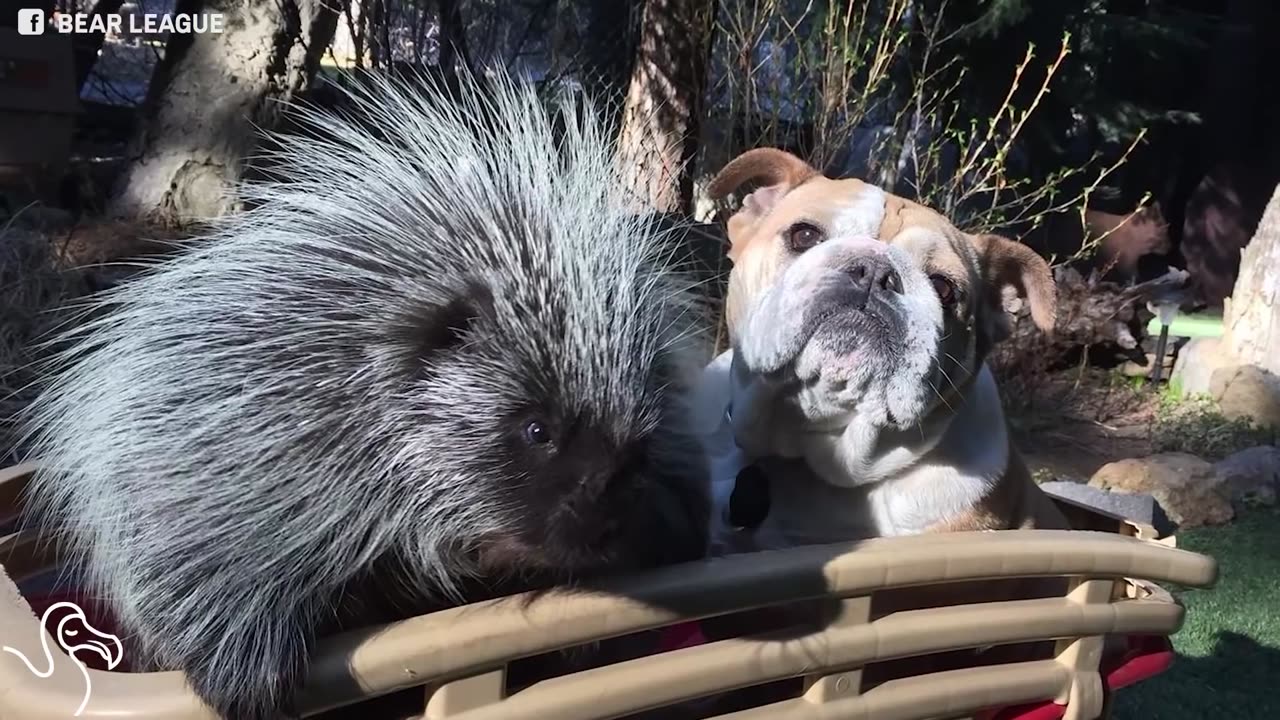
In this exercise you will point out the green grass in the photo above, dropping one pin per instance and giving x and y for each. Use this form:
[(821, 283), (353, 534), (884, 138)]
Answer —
[(1228, 663)]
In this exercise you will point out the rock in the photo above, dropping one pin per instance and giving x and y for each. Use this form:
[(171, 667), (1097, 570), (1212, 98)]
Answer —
[(1251, 476), (1187, 488), (1205, 366), (1195, 365), (1247, 392)]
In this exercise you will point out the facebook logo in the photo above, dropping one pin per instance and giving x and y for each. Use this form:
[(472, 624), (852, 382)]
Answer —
[(31, 22)]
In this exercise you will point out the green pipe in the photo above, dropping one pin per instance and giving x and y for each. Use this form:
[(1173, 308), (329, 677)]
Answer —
[(1190, 326)]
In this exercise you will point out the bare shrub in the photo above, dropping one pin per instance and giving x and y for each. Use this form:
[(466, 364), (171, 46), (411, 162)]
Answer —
[(872, 89), (32, 291)]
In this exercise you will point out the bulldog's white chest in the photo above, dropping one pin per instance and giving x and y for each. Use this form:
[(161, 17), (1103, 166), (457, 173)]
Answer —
[(924, 498), (805, 510), (945, 484)]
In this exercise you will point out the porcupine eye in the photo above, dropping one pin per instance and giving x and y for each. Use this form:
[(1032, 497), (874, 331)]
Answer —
[(536, 433)]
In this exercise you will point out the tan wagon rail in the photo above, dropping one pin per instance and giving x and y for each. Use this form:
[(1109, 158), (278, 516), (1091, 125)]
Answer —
[(461, 654)]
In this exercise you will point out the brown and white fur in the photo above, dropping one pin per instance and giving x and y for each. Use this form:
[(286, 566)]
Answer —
[(860, 323)]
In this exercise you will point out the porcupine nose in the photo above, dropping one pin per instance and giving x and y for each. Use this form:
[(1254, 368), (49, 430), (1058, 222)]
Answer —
[(615, 474)]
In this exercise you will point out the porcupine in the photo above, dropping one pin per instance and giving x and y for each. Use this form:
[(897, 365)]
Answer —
[(438, 356)]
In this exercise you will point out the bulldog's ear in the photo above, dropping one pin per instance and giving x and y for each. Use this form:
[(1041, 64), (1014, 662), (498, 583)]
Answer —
[(777, 170), (1009, 264)]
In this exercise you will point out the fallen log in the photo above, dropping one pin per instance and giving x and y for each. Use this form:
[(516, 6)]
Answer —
[(1103, 318)]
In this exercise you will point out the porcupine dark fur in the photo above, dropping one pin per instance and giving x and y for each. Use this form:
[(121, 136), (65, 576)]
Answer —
[(439, 356)]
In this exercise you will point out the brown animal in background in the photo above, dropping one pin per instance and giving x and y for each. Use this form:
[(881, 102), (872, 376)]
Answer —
[(1221, 217), (1113, 244), (1124, 239)]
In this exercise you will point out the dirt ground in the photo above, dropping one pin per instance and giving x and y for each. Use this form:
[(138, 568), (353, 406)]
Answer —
[(1073, 422)]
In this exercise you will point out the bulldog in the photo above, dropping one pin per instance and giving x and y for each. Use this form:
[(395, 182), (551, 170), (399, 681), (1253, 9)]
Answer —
[(855, 400)]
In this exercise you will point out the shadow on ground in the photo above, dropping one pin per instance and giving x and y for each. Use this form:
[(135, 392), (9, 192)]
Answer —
[(1228, 660), (1237, 681)]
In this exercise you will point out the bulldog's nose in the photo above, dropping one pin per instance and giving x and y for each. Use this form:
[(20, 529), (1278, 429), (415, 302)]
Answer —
[(873, 276)]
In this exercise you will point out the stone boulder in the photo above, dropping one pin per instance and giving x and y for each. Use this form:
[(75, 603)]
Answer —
[(1196, 362), (1187, 488), (1205, 366), (1252, 477), (1247, 392)]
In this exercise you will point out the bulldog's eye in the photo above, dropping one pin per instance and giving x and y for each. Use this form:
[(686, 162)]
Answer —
[(946, 290), (802, 236)]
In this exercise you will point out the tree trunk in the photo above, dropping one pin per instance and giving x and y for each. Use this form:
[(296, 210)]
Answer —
[(455, 51), (608, 52), (86, 47), (1251, 321), (664, 102), (356, 14), (208, 96)]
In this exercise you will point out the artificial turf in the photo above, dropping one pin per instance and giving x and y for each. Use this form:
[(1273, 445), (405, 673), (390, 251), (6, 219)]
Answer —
[(1228, 664)]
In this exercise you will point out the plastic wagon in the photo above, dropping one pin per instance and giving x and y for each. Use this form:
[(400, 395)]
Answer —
[(459, 657)]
